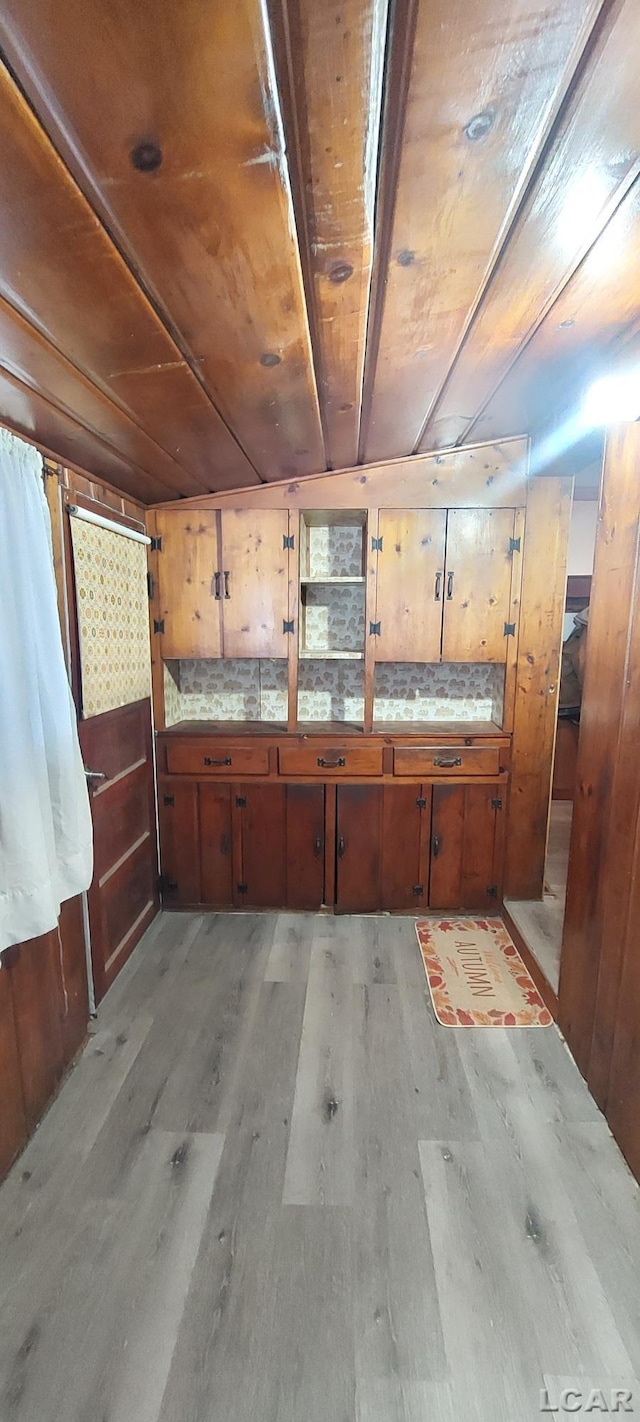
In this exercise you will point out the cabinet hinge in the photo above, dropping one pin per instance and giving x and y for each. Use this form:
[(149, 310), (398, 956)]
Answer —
[(496, 804), (156, 545), (509, 629), (168, 799), (166, 886), (150, 585), (287, 626), (241, 800), (421, 802), (242, 888), (287, 540), (374, 629), (158, 624), (376, 545), (492, 891), (418, 889), (514, 545)]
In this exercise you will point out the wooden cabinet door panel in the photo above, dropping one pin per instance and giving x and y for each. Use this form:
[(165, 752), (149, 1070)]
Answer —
[(477, 591), (264, 839), (216, 864), (179, 849), (13, 1126), (359, 848), (410, 585), (255, 577), (305, 846), (462, 871), (187, 565), (406, 817)]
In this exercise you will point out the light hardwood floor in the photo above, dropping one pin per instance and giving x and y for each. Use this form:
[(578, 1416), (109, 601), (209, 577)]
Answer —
[(541, 921), (275, 1190)]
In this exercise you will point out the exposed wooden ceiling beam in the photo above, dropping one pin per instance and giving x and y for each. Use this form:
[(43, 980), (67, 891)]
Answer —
[(486, 80), (189, 173), (591, 163), (330, 63)]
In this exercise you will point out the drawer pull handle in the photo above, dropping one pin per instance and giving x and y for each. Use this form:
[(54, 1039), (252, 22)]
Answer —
[(216, 579), (341, 847), (450, 578), (211, 760), (317, 847), (447, 761), (226, 585), (331, 764), (438, 588)]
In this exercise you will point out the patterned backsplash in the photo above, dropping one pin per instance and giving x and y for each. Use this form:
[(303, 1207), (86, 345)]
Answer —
[(252, 690), (333, 618), (335, 551)]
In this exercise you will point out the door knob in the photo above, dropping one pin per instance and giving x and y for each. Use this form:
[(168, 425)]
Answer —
[(95, 774)]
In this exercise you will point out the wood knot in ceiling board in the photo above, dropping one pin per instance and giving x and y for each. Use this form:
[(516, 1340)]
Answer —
[(146, 157), (406, 258), (479, 126), (269, 359), (340, 272)]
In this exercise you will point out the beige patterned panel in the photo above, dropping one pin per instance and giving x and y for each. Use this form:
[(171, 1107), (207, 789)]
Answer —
[(448, 691), (232, 689), (334, 618), (335, 551), (331, 691), (113, 617)]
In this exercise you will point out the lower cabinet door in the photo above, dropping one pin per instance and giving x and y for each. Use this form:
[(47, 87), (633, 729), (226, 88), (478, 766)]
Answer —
[(179, 847), (262, 819), (305, 846), (406, 819), (464, 871), (216, 864), (359, 848)]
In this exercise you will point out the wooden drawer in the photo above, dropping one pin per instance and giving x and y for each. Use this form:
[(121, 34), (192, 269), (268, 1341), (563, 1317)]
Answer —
[(446, 760), (325, 760), (205, 757)]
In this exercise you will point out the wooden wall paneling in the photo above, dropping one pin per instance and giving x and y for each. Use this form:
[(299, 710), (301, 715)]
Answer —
[(295, 553), (81, 297), (255, 582), (190, 599), (359, 848), (330, 60), (614, 590), (537, 683), (200, 83), (13, 1125), (179, 842), (215, 844), (511, 643), (477, 585), (485, 84), (410, 586), (623, 1075), (591, 329), (264, 841), (403, 882), (36, 992), (155, 639), (305, 846), (488, 475), (592, 158), (370, 617)]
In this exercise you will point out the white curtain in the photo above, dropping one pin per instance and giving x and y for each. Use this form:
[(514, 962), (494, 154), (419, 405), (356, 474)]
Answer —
[(46, 842)]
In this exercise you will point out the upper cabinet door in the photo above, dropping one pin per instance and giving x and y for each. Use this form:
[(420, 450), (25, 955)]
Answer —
[(187, 567), (410, 584), (255, 582), (477, 591)]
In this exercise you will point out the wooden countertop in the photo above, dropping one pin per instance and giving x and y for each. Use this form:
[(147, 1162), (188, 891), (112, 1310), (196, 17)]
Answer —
[(333, 728)]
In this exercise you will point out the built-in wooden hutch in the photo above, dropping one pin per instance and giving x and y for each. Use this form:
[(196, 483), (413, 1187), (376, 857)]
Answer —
[(355, 684)]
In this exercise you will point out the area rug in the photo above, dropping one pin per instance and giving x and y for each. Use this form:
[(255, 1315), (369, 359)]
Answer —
[(476, 976)]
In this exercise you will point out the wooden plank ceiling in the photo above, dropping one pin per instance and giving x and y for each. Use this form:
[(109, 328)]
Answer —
[(260, 239)]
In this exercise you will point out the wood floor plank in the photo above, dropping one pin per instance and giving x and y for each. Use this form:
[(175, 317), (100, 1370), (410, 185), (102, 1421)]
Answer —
[(320, 1162), (291, 952)]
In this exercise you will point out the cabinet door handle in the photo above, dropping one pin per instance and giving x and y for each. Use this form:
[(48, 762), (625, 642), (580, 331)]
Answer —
[(210, 760), (438, 588), (216, 579), (435, 846), (317, 847), (341, 847), (447, 761), (331, 764), (226, 585), (450, 578)]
